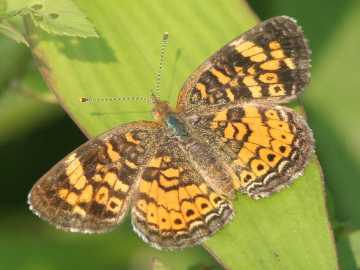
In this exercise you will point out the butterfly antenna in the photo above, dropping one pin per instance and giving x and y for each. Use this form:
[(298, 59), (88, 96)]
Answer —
[(155, 93), (109, 99)]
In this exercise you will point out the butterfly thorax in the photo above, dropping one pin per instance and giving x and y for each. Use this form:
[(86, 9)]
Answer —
[(164, 114), (177, 127)]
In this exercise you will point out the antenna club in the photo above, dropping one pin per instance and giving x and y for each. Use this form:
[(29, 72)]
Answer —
[(84, 99)]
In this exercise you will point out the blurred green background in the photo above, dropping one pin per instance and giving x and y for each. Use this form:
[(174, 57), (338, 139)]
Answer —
[(35, 133)]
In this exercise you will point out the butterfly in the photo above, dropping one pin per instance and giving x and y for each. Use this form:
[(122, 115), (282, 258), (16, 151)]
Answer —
[(178, 174)]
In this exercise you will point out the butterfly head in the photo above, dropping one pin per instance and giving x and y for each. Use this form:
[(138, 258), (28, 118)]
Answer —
[(161, 108)]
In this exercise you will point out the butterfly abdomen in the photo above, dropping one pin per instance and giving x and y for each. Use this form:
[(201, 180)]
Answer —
[(208, 165), (202, 158)]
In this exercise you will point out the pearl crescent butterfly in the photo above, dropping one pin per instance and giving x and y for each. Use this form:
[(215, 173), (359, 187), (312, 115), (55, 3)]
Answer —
[(178, 174)]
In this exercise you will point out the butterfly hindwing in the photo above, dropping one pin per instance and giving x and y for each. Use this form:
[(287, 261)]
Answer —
[(90, 189), (174, 207), (267, 146), (271, 61)]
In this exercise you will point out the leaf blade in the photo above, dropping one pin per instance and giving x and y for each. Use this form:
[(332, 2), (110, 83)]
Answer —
[(126, 58)]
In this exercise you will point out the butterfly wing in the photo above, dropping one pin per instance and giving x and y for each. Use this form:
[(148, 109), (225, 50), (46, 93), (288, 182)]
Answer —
[(265, 145), (90, 189), (174, 207), (270, 61)]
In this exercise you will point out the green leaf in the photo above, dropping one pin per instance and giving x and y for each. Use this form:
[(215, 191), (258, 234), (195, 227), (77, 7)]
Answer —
[(333, 100), (25, 105), (3, 6), (349, 250), (158, 265), (60, 17), (12, 33), (290, 230), (62, 250), (21, 114), (14, 60)]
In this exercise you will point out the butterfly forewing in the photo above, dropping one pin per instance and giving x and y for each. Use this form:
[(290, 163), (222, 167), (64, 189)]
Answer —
[(269, 62), (90, 189)]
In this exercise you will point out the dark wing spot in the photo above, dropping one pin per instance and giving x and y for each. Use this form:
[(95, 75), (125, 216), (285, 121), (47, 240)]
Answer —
[(178, 221), (277, 88), (247, 178), (204, 205), (282, 149), (189, 212), (270, 157), (260, 167), (113, 205)]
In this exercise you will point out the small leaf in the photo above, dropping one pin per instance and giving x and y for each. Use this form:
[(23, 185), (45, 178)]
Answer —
[(12, 33), (60, 17)]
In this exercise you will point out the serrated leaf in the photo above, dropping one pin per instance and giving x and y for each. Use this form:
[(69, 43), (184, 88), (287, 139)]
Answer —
[(12, 33), (61, 17)]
